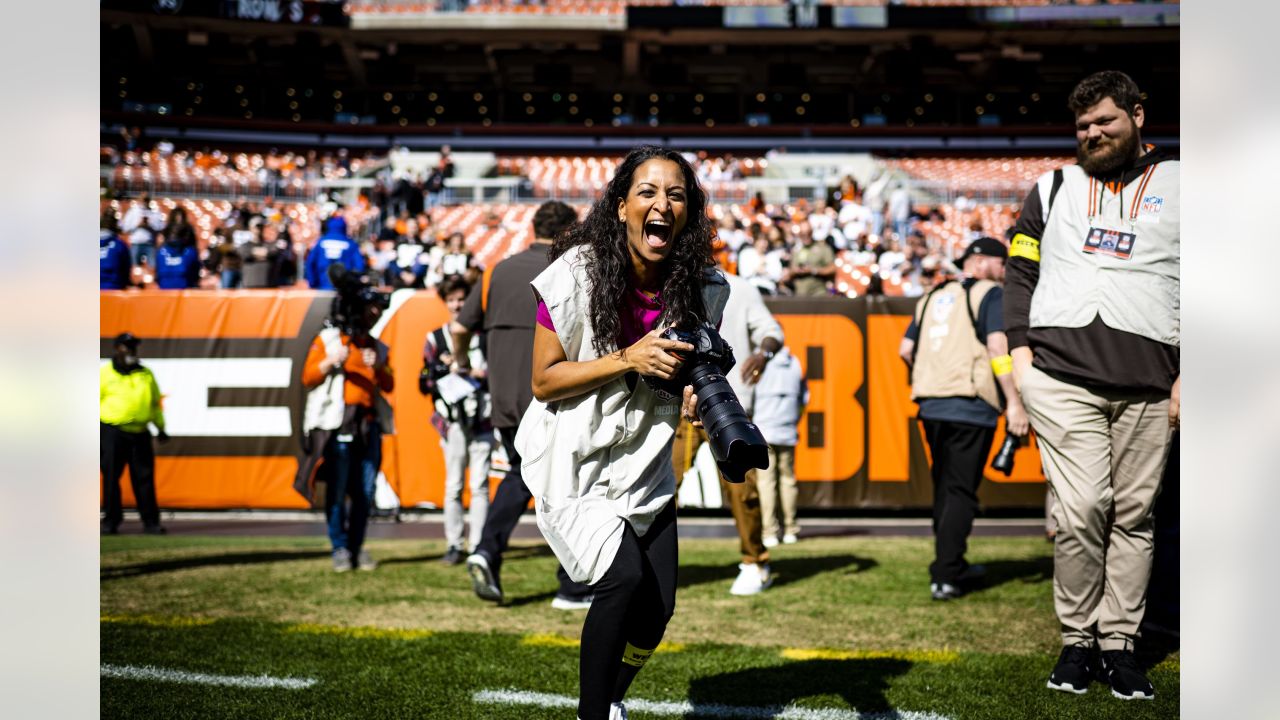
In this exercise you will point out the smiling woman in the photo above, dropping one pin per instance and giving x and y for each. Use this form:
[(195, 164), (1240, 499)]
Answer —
[(596, 444)]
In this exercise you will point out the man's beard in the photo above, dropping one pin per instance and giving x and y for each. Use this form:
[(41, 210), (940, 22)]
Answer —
[(1118, 153)]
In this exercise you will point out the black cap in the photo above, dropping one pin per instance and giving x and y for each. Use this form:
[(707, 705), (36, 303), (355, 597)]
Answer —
[(986, 246), (128, 340)]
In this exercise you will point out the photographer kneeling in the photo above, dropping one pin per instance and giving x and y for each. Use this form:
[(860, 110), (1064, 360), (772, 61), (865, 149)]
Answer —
[(346, 372), (596, 443)]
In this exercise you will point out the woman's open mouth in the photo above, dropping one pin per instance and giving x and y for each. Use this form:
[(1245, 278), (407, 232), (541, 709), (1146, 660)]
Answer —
[(657, 233)]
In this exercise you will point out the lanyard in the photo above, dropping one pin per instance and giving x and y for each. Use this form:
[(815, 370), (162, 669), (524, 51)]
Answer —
[(1097, 188)]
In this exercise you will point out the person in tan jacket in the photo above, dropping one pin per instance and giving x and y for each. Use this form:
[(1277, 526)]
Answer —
[(961, 378)]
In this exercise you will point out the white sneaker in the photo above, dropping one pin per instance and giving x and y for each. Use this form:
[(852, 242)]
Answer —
[(617, 711), (790, 539), (751, 579), (771, 541), (563, 603)]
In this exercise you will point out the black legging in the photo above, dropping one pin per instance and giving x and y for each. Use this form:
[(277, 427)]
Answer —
[(633, 603)]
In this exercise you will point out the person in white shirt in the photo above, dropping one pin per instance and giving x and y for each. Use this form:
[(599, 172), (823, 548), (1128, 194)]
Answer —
[(140, 224), (463, 419)]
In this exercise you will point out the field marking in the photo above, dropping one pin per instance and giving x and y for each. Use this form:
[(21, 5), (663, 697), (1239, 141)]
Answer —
[(711, 710), (146, 672), (929, 656), (553, 640), (157, 620), (359, 631), (549, 640)]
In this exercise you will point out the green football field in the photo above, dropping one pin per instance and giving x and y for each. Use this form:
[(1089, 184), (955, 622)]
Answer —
[(260, 627)]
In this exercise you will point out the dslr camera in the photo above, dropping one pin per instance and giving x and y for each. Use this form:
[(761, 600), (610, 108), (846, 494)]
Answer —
[(355, 297), (1003, 461), (736, 443)]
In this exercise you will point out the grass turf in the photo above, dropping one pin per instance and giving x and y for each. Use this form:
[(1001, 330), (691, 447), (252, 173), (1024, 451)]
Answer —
[(848, 624)]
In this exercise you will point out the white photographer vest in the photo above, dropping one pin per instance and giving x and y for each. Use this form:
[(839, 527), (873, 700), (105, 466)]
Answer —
[(600, 459), (1138, 294)]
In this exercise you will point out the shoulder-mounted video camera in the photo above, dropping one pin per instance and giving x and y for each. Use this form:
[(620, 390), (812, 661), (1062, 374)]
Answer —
[(354, 299)]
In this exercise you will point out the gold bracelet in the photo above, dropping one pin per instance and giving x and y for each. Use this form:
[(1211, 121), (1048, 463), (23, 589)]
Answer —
[(1002, 365)]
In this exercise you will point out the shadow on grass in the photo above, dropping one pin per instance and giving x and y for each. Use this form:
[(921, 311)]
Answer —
[(515, 553), (1155, 646), (243, 558), (787, 570), (1028, 572), (861, 683)]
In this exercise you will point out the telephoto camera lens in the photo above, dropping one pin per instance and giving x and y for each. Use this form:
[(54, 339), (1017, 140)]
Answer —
[(736, 443), (1003, 461)]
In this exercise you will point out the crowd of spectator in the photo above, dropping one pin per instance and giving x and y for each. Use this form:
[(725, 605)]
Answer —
[(796, 248), (854, 241), (887, 242)]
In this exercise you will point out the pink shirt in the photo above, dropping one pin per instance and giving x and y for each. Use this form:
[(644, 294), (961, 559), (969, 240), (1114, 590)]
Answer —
[(639, 316)]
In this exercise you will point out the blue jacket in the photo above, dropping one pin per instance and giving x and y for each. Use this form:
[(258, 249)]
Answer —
[(114, 263), (177, 267), (333, 246)]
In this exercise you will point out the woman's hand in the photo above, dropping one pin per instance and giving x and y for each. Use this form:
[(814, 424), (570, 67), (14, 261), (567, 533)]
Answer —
[(689, 410), (654, 356)]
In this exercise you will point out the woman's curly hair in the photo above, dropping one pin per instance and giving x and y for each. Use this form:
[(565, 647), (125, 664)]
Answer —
[(609, 260)]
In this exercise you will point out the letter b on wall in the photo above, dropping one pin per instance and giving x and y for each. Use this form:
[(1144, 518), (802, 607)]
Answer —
[(832, 430)]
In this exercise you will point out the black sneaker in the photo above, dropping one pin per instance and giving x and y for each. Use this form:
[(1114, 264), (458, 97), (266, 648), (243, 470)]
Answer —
[(154, 530), (1120, 670), (453, 556), (484, 581), (972, 575), (1073, 671)]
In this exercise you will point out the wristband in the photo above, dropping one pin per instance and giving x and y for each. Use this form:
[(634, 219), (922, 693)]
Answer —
[(1002, 365)]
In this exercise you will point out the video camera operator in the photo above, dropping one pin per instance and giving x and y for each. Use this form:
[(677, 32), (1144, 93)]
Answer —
[(346, 372)]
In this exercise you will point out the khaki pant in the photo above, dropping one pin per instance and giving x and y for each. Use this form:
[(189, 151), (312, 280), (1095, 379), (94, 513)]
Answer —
[(743, 497), (777, 484), (1103, 455)]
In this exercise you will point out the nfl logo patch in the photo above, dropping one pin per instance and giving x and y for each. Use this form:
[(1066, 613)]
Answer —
[(1152, 204)]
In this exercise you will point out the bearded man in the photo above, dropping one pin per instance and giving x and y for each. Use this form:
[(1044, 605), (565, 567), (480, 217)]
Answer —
[(1092, 320)]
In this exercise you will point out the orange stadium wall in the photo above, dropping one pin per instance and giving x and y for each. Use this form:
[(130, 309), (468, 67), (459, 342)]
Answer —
[(229, 365)]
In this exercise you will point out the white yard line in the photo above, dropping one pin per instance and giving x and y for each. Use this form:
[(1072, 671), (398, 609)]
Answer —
[(146, 672), (709, 710)]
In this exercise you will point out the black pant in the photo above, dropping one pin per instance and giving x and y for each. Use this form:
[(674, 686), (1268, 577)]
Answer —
[(633, 603), (117, 449), (509, 503), (959, 452)]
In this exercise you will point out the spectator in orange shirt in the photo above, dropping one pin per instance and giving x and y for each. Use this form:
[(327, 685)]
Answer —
[(346, 372)]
